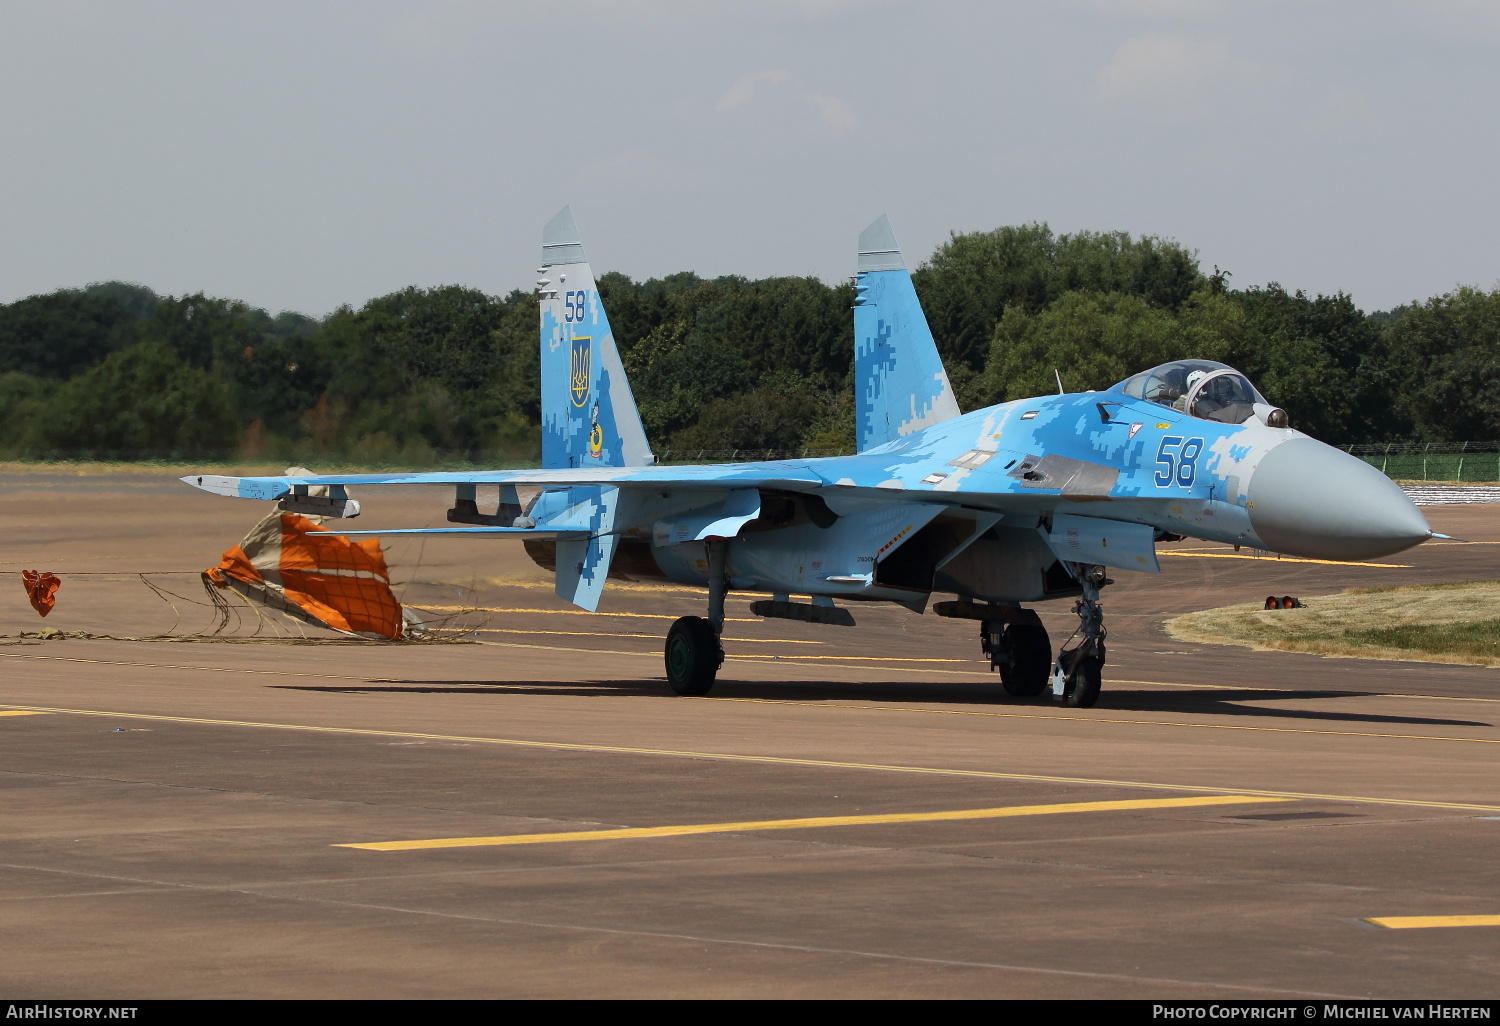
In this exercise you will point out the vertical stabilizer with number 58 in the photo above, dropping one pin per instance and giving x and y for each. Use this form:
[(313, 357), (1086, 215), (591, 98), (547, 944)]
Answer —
[(589, 418)]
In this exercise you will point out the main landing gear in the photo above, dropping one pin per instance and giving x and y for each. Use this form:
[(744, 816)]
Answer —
[(694, 652), (1078, 673), (1019, 648)]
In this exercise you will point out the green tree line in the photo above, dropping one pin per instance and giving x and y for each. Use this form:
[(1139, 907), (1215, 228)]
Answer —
[(419, 376)]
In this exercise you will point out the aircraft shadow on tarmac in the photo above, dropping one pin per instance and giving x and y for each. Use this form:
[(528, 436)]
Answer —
[(556, 689), (1226, 702), (1218, 702)]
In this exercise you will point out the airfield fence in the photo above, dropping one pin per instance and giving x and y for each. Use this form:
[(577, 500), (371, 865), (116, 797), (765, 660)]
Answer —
[(743, 455), (1432, 461)]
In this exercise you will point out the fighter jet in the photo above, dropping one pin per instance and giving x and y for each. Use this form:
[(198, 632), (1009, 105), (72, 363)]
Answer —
[(966, 515)]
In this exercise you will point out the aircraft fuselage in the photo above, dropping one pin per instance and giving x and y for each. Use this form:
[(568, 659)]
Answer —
[(973, 505)]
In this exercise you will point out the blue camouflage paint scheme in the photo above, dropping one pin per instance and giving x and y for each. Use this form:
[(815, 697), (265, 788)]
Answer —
[(900, 383), (1067, 426), (1013, 487), (589, 416), (582, 561)]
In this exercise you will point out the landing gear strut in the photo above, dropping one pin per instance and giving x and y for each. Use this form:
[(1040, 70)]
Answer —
[(694, 652), (1078, 673)]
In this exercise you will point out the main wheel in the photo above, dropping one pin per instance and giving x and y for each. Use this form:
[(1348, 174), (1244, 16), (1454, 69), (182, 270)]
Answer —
[(1084, 680), (694, 656), (1025, 673)]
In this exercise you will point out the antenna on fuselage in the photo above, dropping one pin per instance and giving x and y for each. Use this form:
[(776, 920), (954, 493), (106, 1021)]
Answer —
[(1059, 380)]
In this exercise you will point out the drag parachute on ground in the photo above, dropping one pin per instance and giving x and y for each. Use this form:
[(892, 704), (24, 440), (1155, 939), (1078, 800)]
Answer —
[(292, 565)]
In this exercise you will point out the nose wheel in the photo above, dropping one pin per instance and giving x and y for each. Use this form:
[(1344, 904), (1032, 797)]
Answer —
[(1080, 680), (1078, 673)]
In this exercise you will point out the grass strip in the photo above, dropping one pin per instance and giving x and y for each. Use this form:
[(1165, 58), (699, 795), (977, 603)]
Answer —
[(1452, 622)]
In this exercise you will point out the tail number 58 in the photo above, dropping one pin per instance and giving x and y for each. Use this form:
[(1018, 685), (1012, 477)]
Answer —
[(1178, 460)]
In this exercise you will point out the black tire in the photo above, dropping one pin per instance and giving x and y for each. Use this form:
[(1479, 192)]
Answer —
[(1272, 602), (1287, 602), (1084, 681), (1025, 673), (693, 656)]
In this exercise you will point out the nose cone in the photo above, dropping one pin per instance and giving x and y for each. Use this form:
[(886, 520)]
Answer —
[(1310, 499)]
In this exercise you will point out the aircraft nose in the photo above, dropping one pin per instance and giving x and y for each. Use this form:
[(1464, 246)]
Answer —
[(1310, 499)]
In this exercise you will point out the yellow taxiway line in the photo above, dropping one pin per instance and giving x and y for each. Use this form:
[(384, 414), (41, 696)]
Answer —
[(1280, 559), (651, 637), (1068, 718), (733, 655), (979, 668), (775, 760), (1429, 922), (805, 824), (21, 712), (574, 612)]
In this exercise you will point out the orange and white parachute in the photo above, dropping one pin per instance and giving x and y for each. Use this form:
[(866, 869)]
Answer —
[(291, 564)]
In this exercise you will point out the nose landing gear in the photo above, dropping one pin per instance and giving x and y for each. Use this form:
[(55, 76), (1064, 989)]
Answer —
[(1078, 673)]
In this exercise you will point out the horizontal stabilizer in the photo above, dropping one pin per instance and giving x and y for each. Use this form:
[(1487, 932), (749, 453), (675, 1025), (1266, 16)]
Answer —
[(583, 561)]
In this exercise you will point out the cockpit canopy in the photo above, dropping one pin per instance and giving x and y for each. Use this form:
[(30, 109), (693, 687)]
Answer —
[(1201, 388)]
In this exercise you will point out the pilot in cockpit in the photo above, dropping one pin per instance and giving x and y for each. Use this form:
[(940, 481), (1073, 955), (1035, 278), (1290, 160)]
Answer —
[(1204, 389), (1227, 398), (1166, 385)]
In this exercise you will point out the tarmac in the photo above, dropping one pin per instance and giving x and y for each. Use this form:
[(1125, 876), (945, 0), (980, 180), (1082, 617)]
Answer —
[(852, 812)]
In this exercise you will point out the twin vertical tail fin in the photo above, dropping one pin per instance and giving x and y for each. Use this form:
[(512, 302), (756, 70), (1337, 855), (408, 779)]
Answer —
[(900, 384), (589, 418)]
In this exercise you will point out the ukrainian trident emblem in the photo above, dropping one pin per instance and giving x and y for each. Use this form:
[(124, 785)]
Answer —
[(578, 376)]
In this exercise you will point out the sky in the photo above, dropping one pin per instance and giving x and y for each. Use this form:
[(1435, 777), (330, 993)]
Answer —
[(303, 155)]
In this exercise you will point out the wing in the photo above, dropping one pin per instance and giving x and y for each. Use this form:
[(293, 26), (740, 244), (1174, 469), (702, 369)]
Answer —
[(790, 476)]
